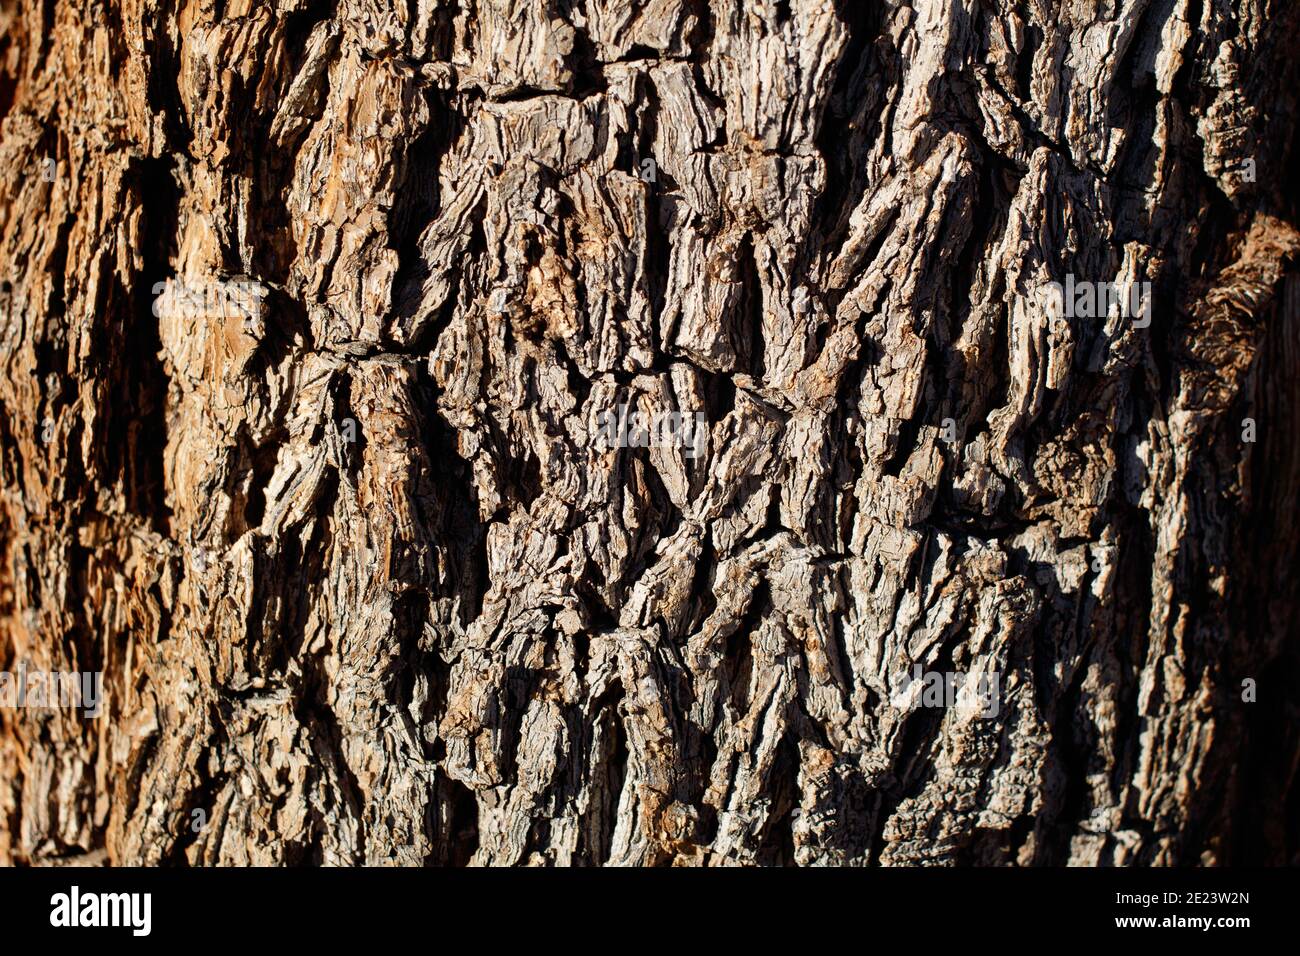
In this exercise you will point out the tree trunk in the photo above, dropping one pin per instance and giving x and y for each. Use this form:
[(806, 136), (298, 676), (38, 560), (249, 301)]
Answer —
[(321, 327)]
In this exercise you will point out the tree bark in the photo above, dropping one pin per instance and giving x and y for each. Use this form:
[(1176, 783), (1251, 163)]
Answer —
[(314, 318)]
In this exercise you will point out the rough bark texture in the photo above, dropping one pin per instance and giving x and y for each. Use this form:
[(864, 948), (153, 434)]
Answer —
[(364, 584)]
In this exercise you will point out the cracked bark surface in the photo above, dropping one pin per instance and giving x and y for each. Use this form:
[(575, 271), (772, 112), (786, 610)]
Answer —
[(364, 586)]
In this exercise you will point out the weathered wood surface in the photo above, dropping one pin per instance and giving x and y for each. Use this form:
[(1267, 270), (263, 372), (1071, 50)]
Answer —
[(363, 582)]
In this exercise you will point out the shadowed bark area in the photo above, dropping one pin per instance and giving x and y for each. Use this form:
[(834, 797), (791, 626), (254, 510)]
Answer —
[(314, 317)]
